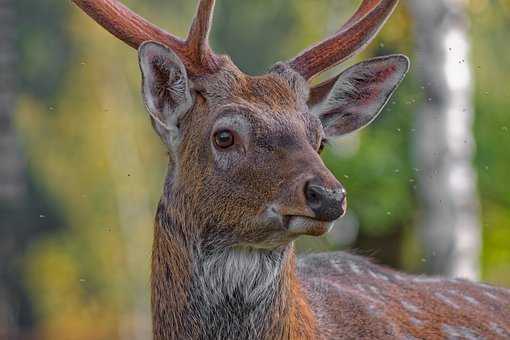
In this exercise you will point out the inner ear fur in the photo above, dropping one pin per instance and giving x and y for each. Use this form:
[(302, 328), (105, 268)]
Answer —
[(353, 99), (165, 88)]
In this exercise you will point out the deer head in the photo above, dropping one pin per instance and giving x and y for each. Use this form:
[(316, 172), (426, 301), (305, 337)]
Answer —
[(244, 150)]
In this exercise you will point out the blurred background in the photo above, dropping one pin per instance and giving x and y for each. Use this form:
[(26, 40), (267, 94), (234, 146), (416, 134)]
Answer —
[(81, 170)]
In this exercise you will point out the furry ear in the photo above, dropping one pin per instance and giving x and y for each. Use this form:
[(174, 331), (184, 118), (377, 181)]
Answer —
[(165, 89), (359, 94)]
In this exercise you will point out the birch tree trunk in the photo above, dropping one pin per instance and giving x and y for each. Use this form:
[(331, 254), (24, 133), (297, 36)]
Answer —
[(449, 219)]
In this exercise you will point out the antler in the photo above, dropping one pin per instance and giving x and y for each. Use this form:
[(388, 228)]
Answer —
[(198, 57), (352, 37), (134, 30)]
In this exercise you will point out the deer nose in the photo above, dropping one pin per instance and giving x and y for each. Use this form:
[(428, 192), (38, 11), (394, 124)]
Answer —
[(327, 204)]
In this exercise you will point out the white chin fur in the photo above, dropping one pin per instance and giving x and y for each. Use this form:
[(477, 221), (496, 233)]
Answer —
[(305, 225)]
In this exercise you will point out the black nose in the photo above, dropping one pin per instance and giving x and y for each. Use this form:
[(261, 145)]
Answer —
[(327, 204)]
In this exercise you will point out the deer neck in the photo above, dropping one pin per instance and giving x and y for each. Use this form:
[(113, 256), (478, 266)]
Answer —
[(232, 293)]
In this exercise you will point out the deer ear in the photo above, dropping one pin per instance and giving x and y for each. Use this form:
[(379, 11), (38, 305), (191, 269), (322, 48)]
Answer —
[(359, 94), (165, 89)]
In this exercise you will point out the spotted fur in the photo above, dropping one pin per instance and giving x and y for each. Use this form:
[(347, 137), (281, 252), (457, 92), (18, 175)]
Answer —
[(406, 307)]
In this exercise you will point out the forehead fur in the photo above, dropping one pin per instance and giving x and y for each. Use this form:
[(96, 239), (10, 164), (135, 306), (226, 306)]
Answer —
[(281, 90)]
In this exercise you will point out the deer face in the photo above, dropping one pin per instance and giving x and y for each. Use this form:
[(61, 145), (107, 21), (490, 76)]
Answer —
[(245, 150)]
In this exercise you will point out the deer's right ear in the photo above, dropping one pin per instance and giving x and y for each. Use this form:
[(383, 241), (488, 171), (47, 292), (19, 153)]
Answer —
[(165, 89)]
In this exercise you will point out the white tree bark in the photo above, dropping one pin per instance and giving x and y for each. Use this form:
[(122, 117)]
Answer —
[(449, 219)]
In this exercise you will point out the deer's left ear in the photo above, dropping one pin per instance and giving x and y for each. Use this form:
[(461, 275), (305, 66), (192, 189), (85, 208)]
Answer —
[(358, 95)]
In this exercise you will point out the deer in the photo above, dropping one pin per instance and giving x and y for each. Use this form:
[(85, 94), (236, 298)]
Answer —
[(245, 179)]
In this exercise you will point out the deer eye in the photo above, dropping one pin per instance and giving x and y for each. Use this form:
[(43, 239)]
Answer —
[(322, 145), (224, 139)]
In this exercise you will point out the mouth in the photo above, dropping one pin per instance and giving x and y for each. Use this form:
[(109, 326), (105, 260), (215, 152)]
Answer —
[(293, 226), (302, 225)]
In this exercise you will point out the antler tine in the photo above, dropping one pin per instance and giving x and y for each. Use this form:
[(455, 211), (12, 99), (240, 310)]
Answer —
[(365, 7), (352, 37), (198, 37), (134, 30), (199, 32)]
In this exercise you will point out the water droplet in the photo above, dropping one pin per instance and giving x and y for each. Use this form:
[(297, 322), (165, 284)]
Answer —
[(42, 216), (381, 45), (388, 213), (346, 176)]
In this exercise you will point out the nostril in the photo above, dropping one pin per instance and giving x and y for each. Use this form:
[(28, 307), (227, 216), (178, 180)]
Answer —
[(327, 204), (313, 196)]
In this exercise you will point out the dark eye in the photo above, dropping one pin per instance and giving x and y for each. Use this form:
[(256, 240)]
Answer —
[(322, 145), (224, 139)]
